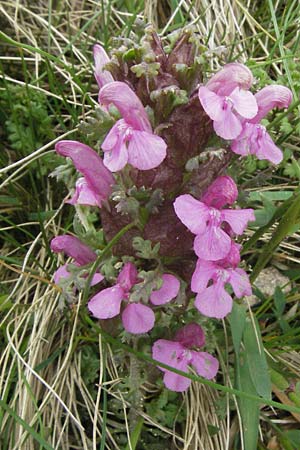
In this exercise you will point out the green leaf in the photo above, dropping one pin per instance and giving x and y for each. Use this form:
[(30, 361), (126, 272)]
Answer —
[(264, 215), (237, 320), (293, 436), (96, 125), (270, 195), (25, 425), (279, 301), (256, 359), (287, 221), (41, 215), (144, 248), (249, 409), (134, 436), (148, 70), (278, 379)]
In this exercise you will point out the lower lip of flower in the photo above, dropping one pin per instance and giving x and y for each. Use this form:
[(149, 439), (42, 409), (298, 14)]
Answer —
[(215, 216)]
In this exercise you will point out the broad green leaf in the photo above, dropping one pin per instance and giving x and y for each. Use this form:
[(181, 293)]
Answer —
[(291, 437), (270, 195), (256, 359), (249, 409), (264, 215), (237, 320)]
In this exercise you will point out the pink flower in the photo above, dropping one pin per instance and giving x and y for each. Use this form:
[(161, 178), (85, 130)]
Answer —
[(131, 139), (223, 191), (226, 99), (212, 242), (101, 58), (225, 110), (254, 138), (214, 301), (95, 186), (136, 318), (74, 248), (178, 354)]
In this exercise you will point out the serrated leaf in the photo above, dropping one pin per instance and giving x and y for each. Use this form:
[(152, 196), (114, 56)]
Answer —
[(256, 358), (144, 248), (97, 125), (146, 69)]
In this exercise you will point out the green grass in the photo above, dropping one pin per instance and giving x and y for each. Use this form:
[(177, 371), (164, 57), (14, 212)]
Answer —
[(61, 382)]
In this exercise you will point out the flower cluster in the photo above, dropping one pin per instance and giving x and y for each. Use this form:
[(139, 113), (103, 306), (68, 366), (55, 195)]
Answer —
[(163, 115), (136, 317), (218, 255)]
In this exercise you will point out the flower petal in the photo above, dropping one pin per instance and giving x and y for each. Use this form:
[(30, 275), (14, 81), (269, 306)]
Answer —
[(229, 77), (74, 248), (190, 335), (233, 258), (175, 382), (229, 127), (223, 191), (84, 194), (97, 278), (128, 276), (213, 244), (129, 105), (214, 301), (240, 283), (113, 136), (268, 150), (167, 292), (167, 352), (61, 272), (205, 270), (101, 58), (211, 103), (243, 144), (205, 364), (138, 318), (171, 353), (244, 103), (107, 303), (146, 150), (273, 96), (192, 213), (89, 163), (115, 157), (238, 218)]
